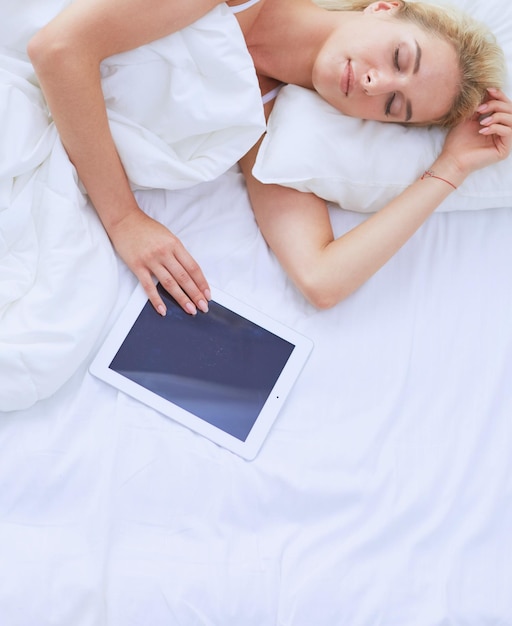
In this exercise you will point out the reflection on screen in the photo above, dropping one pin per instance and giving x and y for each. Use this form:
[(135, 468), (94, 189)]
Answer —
[(218, 366)]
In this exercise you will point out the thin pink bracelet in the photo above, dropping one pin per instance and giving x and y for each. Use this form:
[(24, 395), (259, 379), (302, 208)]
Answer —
[(431, 174)]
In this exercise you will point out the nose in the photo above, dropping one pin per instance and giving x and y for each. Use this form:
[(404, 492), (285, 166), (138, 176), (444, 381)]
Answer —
[(376, 82)]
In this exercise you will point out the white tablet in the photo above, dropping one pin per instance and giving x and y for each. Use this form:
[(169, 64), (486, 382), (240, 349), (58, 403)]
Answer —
[(224, 374)]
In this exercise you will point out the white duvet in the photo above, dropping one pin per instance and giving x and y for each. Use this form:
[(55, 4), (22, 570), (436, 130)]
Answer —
[(182, 110)]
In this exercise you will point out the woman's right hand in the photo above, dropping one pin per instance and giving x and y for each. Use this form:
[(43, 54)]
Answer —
[(151, 250)]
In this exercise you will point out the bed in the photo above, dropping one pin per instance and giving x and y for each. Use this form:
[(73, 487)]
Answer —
[(383, 493)]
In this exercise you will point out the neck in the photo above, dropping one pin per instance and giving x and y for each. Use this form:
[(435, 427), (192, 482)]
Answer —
[(286, 38)]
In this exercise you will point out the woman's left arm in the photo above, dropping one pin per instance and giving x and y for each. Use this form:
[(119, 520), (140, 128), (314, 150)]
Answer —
[(297, 226)]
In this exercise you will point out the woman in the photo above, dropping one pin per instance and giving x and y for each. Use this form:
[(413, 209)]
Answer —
[(375, 62)]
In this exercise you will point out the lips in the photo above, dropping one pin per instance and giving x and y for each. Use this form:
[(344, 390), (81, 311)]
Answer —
[(347, 79)]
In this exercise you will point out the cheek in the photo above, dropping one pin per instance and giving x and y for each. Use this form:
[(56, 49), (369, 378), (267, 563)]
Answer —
[(364, 108), (323, 80)]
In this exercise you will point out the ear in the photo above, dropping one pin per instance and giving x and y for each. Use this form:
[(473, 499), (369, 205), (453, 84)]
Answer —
[(375, 7)]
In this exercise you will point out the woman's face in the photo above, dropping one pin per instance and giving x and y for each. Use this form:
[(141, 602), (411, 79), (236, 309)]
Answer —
[(382, 68)]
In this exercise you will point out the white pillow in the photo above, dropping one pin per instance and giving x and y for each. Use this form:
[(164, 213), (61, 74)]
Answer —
[(361, 165)]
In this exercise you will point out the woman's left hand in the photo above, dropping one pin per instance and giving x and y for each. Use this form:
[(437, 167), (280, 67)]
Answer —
[(497, 123), (482, 141)]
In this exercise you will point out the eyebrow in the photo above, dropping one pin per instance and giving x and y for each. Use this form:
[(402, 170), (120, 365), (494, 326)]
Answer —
[(417, 60)]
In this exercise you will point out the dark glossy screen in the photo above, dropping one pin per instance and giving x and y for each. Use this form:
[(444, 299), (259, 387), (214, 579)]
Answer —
[(218, 366)]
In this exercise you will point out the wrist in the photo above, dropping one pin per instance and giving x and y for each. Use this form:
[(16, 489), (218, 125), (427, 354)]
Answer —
[(433, 174), (117, 218), (449, 170)]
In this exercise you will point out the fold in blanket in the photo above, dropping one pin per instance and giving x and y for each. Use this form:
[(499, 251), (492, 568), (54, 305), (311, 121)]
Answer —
[(182, 110)]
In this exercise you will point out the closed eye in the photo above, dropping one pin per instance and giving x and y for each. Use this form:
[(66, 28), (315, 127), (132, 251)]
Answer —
[(389, 104), (396, 59)]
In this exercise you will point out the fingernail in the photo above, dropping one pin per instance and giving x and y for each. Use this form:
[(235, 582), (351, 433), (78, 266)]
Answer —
[(208, 294), (190, 308), (203, 306), (161, 309), (482, 107)]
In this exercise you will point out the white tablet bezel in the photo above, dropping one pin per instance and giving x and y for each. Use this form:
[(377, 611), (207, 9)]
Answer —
[(247, 449)]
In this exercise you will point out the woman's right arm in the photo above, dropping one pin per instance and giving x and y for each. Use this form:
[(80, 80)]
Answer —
[(66, 55)]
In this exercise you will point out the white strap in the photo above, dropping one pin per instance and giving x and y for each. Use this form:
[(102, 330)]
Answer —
[(244, 6), (270, 95)]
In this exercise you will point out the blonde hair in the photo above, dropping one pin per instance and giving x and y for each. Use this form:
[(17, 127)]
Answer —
[(481, 60)]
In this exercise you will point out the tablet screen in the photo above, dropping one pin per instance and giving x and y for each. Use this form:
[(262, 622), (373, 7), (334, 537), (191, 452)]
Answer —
[(219, 366)]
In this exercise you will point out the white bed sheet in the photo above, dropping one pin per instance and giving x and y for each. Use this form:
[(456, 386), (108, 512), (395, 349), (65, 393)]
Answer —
[(382, 496)]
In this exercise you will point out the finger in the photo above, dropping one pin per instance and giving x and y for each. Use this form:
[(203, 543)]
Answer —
[(497, 123), (179, 269), (184, 290), (493, 96), (494, 107), (173, 288), (498, 94), (495, 115), (152, 293), (501, 137), (182, 277), (504, 133), (195, 274)]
